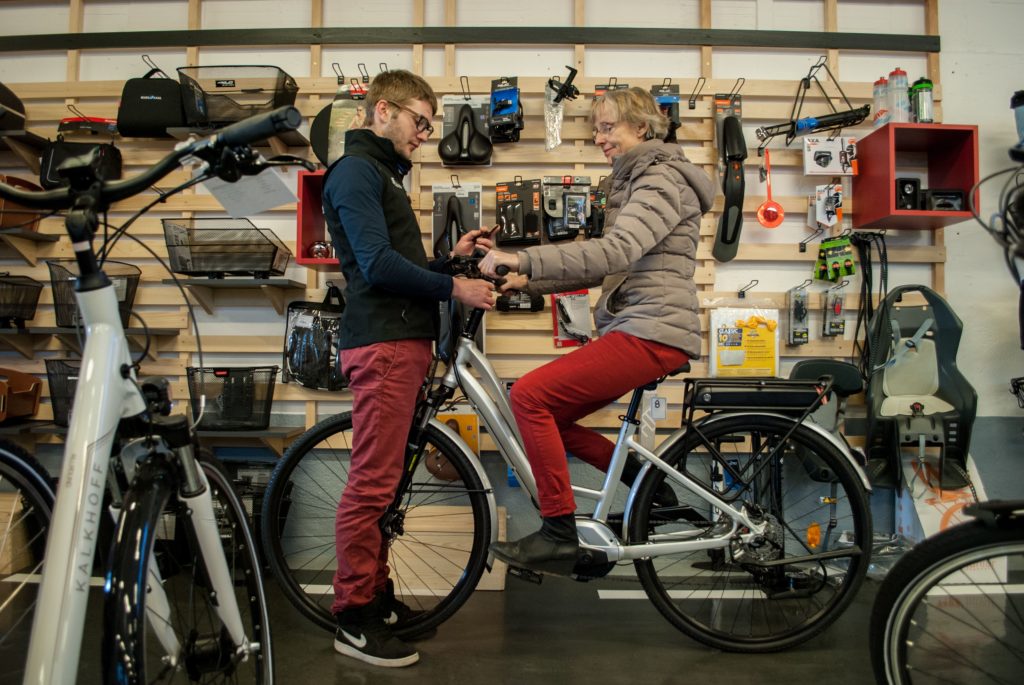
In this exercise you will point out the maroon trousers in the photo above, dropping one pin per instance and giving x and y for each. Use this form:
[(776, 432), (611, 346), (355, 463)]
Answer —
[(547, 403), (385, 380)]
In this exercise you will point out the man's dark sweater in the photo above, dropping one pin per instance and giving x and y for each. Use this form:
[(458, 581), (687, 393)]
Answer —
[(392, 289)]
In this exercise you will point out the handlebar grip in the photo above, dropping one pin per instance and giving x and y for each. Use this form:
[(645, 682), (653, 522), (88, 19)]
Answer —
[(261, 126), (501, 270)]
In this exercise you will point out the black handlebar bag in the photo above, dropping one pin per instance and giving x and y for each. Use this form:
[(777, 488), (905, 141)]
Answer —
[(311, 354), (104, 158), (149, 106)]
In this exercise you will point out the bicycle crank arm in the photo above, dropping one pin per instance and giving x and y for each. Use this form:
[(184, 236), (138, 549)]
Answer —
[(789, 561)]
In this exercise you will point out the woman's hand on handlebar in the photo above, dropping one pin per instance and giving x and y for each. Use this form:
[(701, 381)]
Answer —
[(514, 281), (491, 265)]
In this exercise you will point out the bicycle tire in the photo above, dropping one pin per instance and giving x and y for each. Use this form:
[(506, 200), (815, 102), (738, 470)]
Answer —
[(934, 622), (435, 563), (26, 506), (732, 598), (153, 530)]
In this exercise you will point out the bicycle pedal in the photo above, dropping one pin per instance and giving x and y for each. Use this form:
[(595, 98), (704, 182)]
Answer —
[(526, 574)]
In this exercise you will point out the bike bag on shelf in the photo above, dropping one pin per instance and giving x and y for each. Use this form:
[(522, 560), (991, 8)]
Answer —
[(105, 161), (311, 355), (149, 106), (12, 111)]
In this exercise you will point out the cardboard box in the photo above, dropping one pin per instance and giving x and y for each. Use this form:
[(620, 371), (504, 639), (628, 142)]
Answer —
[(830, 157)]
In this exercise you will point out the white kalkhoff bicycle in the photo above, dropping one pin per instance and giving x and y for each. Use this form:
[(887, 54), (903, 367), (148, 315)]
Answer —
[(183, 589)]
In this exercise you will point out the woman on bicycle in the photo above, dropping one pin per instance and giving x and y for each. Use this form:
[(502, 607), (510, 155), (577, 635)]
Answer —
[(647, 316)]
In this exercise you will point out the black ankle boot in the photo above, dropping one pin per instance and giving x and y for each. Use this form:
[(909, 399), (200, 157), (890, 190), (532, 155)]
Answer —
[(552, 548), (663, 496)]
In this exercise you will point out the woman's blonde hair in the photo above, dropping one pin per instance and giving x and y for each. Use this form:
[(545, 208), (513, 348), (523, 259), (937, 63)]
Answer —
[(635, 106)]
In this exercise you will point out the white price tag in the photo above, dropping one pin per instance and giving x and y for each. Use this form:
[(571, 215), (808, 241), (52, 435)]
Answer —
[(659, 408)]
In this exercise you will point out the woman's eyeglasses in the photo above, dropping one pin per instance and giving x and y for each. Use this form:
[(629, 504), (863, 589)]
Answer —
[(422, 123), (603, 129)]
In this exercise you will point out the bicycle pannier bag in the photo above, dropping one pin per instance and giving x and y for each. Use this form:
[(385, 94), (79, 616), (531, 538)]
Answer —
[(105, 161), (12, 111), (149, 106), (311, 342)]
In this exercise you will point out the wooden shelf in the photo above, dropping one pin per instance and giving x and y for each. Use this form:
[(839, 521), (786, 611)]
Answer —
[(276, 438), (951, 154), (25, 341), (204, 290), (26, 243)]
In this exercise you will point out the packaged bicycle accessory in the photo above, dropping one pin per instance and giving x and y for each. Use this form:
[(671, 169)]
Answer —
[(63, 162), (555, 95), (566, 206), (830, 156), (594, 227), (19, 297), (19, 394), (456, 211), (833, 321), (518, 212), (744, 342), (520, 302), (570, 313), (464, 134), (835, 259), (506, 110), (236, 398), (12, 111), (311, 335), (15, 216), (797, 300), (826, 206), (667, 97), (220, 95), (64, 272), (218, 247), (150, 104), (347, 112)]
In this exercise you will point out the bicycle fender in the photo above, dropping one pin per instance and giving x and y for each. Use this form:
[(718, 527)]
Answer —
[(840, 445), (479, 468)]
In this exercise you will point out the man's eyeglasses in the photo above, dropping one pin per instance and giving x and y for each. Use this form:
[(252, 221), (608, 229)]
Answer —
[(422, 123)]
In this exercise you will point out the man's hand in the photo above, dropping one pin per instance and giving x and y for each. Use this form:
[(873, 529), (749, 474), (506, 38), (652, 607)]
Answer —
[(496, 258), (473, 292), (473, 240)]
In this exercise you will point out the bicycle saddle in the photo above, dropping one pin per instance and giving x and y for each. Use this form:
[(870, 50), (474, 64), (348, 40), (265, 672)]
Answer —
[(465, 144)]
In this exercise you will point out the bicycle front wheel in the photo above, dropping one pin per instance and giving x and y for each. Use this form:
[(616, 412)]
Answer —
[(952, 610), (26, 504), (438, 534), (156, 531), (773, 591)]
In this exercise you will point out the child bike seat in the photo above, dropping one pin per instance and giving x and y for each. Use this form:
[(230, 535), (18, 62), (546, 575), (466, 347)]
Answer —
[(465, 144)]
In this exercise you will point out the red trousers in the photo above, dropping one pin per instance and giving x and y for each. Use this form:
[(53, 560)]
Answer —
[(385, 380), (547, 403)]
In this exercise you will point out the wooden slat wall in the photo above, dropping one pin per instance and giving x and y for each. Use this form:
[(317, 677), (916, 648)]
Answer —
[(517, 342)]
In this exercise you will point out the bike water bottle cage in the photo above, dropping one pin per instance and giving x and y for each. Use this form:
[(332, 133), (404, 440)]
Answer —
[(465, 144)]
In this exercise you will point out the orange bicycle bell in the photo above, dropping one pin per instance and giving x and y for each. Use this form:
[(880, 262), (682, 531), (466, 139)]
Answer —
[(770, 214)]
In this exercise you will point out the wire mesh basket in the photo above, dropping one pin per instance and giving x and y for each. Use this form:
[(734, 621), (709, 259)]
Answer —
[(63, 272), (62, 377), (19, 297), (237, 398), (218, 247), (217, 95)]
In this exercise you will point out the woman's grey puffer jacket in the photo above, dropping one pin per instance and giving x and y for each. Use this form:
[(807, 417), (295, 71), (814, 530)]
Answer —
[(646, 259)]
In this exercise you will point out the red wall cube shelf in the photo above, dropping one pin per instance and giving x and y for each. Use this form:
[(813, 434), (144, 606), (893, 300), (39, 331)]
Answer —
[(310, 226), (952, 161)]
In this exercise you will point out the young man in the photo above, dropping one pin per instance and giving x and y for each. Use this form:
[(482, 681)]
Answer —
[(390, 320)]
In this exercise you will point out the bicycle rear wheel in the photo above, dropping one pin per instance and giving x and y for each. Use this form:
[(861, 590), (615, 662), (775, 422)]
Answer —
[(952, 610), (155, 528), (774, 592), (439, 532), (26, 504)]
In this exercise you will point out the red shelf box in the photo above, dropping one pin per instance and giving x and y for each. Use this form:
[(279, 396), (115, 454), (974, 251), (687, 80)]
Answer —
[(310, 226), (951, 153)]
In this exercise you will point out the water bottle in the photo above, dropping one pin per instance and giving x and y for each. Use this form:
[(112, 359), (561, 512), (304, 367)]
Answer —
[(881, 92), (899, 99), (921, 102)]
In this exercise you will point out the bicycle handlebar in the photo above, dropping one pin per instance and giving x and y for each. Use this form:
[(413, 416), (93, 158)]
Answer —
[(236, 135)]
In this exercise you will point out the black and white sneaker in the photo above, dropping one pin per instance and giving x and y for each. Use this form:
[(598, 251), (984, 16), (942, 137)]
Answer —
[(362, 635)]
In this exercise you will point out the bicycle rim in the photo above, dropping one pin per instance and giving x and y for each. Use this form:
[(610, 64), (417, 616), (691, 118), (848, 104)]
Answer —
[(435, 561), (745, 597), (26, 504), (154, 529), (960, 619)]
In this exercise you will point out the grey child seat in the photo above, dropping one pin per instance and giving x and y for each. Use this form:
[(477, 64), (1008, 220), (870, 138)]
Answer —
[(916, 394)]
